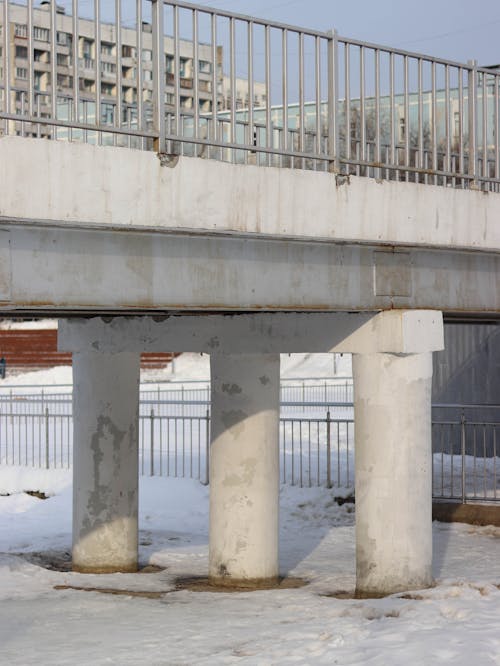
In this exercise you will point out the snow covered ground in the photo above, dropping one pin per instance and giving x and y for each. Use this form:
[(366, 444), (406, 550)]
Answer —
[(456, 622)]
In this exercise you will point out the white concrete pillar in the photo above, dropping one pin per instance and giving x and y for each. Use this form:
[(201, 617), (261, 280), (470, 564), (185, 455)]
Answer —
[(244, 468), (105, 461), (392, 408)]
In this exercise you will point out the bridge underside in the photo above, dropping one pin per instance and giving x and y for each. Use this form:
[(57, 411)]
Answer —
[(112, 232)]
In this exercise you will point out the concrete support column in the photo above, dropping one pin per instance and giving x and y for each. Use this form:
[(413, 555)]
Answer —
[(105, 461), (244, 468), (392, 407)]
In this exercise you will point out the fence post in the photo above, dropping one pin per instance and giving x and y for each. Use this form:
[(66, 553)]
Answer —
[(333, 135), (207, 448), (472, 105), (152, 444), (462, 435), (46, 438), (328, 451), (158, 76)]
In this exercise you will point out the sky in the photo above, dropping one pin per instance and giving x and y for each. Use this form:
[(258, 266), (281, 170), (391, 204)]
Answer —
[(453, 29)]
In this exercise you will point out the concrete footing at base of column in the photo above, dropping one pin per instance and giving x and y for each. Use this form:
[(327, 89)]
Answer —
[(392, 406), (105, 462), (244, 469)]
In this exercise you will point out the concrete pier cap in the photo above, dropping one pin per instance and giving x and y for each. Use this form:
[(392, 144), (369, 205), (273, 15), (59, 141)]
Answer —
[(393, 367)]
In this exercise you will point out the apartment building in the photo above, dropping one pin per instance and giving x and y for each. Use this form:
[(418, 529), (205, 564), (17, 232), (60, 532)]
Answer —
[(109, 73)]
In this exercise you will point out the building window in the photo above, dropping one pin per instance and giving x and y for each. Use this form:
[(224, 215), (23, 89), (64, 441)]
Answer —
[(205, 67), (169, 64), (128, 51), (20, 30), (108, 114), (63, 60), (64, 81), (21, 73), (41, 34), (21, 52), (186, 102), (107, 89), (108, 67), (147, 75), (87, 48), (186, 67), (64, 38), (41, 56), (147, 55), (107, 48), (169, 98)]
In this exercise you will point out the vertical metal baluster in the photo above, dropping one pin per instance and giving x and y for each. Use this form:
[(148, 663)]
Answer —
[(97, 66), (447, 108), (196, 85), (338, 454), (215, 69), (284, 92), (47, 439), (328, 451), (485, 126), (309, 451), (250, 30), (496, 127), (318, 471), (177, 74), (159, 75), (347, 66), (362, 114), (118, 46), (269, 126), (31, 73), (317, 81), (292, 423), (461, 165), (407, 116), (472, 106), (140, 77), (6, 60), (53, 65), (377, 172), (232, 78), (420, 164), (301, 99), (76, 63), (152, 443)]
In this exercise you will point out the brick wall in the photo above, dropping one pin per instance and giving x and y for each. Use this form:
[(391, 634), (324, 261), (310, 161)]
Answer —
[(37, 348)]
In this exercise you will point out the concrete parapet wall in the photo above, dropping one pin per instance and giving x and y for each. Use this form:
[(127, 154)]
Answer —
[(72, 184)]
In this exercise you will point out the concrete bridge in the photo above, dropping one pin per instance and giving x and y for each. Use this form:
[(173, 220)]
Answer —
[(141, 251)]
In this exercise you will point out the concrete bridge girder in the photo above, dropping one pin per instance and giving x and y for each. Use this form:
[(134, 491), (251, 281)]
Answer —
[(129, 271), (393, 355)]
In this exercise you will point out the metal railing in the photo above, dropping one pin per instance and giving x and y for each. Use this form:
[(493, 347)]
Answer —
[(186, 79), (313, 451), (316, 445)]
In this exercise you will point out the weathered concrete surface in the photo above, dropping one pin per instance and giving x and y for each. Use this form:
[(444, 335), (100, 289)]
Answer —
[(392, 411), (244, 467), (394, 331), (83, 184), (137, 272), (105, 461)]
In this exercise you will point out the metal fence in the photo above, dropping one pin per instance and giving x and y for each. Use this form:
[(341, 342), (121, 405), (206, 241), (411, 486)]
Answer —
[(316, 443), (185, 79), (313, 451)]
